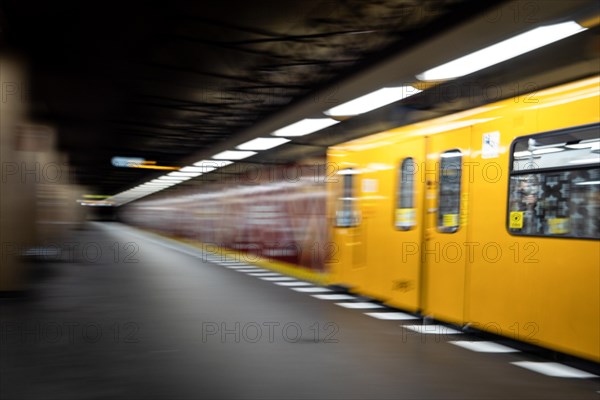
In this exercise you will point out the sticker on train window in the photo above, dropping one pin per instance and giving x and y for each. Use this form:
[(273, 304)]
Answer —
[(405, 215), (516, 220), (450, 174), (554, 184), (450, 220)]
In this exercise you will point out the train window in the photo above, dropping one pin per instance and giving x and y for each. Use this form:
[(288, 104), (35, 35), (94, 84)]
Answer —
[(345, 214), (449, 191), (405, 215), (554, 187)]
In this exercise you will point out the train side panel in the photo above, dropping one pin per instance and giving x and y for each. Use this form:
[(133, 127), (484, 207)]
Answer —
[(401, 276), (470, 263), (379, 253), (446, 230), (544, 290)]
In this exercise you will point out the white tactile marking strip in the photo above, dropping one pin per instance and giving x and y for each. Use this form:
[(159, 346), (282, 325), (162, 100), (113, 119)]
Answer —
[(484, 346), (333, 297), (278, 278), (265, 274), (251, 270), (554, 369), (547, 368), (312, 290), (360, 305), (295, 283), (433, 329), (392, 316)]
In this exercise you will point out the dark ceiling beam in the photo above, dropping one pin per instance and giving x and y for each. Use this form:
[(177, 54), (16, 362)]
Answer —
[(268, 67), (221, 45), (299, 38), (192, 109), (194, 71), (220, 23), (206, 84), (400, 67)]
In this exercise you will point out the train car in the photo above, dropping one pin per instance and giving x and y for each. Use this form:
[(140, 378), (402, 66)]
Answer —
[(271, 214), (488, 217)]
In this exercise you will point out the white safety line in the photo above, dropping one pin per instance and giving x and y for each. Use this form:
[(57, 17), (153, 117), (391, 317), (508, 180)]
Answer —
[(278, 278), (484, 346), (359, 305), (295, 283), (333, 297), (432, 329), (546, 368), (554, 369), (312, 290), (265, 274), (392, 316), (250, 270)]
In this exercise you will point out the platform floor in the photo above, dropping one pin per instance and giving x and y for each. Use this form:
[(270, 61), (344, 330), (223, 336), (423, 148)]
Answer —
[(157, 319)]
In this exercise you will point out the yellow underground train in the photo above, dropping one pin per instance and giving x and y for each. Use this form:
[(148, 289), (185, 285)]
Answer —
[(489, 217)]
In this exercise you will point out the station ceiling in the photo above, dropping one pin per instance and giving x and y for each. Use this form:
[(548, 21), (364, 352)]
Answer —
[(164, 80)]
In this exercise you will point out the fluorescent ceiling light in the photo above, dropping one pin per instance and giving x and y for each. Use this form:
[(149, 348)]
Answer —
[(212, 163), (305, 127), (207, 169), (372, 101), (588, 183), (174, 178), (161, 184), (233, 155), (262, 143), (184, 174), (502, 51), (192, 169)]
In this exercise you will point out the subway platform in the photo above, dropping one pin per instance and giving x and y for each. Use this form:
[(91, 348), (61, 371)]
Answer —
[(126, 314)]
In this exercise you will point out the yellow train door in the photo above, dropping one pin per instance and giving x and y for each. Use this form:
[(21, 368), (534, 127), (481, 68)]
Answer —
[(404, 266), (349, 259), (446, 176)]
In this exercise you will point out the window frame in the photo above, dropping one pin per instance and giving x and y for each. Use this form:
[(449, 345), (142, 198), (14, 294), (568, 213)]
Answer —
[(511, 173), (398, 201), (440, 228), (355, 222)]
